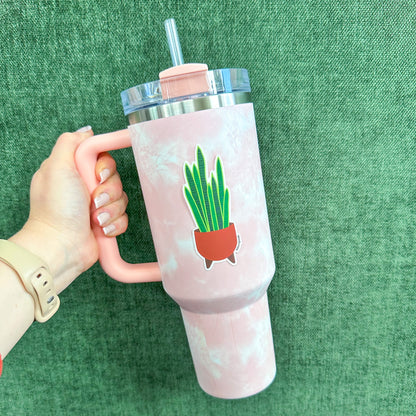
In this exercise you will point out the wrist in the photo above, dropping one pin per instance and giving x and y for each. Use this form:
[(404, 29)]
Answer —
[(16, 309), (34, 275), (46, 243)]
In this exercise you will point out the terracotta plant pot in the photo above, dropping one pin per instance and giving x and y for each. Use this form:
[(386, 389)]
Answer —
[(217, 245)]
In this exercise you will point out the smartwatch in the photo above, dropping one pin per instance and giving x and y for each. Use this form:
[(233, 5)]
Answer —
[(35, 277)]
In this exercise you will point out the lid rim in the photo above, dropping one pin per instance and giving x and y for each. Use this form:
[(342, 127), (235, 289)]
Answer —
[(225, 80), (177, 108)]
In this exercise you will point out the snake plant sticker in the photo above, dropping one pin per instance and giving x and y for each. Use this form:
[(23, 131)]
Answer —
[(208, 199)]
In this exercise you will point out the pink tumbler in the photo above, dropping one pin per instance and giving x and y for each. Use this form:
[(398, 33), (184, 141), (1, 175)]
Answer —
[(194, 139)]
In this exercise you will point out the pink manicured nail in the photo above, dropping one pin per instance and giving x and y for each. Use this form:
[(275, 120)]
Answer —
[(101, 200), (84, 129), (103, 217), (104, 175), (109, 229)]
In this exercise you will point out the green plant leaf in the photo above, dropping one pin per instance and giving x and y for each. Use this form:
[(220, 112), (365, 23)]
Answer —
[(226, 209), (193, 188), (220, 177), (212, 209), (196, 214), (197, 179), (202, 176), (195, 194), (217, 205)]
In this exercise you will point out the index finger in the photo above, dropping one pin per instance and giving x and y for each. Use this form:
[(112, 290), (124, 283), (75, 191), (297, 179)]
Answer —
[(105, 167)]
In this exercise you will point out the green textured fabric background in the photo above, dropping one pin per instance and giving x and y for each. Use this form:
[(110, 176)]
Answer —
[(334, 93)]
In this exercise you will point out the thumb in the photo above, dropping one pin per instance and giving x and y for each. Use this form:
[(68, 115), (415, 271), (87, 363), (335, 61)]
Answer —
[(67, 144)]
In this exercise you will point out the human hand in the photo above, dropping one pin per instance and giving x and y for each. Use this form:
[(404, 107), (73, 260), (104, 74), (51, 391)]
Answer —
[(59, 226)]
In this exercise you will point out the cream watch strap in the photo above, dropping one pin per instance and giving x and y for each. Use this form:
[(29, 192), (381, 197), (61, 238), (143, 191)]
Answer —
[(35, 277)]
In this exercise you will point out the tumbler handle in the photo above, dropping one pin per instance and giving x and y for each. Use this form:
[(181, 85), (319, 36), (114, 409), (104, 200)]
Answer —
[(109, 254)]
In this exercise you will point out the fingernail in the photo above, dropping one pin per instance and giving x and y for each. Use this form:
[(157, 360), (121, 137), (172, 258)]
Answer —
[(84, 129), (101, 200), (109, 229), (103, 217), (104, 175)]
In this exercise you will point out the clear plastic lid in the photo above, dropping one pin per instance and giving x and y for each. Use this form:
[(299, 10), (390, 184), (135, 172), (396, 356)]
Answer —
[(221, 81)]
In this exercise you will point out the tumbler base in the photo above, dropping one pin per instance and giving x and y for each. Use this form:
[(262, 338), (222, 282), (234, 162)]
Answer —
[(232, 352)]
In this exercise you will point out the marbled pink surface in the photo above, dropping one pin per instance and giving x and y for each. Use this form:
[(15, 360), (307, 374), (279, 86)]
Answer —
[(161, 149), (232, 352)]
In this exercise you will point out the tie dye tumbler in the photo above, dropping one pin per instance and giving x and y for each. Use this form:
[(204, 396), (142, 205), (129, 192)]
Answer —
[(194, 139)]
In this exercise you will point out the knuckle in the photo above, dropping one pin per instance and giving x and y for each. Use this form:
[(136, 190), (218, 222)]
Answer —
[(112, 161), (107, 160), (124, 222), (66, 137), (116, 177)]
